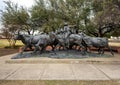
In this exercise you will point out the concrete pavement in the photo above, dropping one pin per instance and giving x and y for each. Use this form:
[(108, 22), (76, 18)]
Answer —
[(59, 71)]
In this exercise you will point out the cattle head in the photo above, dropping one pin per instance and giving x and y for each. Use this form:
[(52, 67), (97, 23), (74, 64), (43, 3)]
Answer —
[(17, 36), (52, 36), (87, 41)]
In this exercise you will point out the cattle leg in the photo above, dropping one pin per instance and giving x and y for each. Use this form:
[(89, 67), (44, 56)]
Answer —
[(70, 47), (24, 49), (30, 46), (36, 49), (53, 48), (42, 50), (83, 49), (59, 48), (110, 50), (99, 50), (102, 51)]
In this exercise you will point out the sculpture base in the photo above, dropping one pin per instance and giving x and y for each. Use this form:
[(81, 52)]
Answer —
[(70, 54)]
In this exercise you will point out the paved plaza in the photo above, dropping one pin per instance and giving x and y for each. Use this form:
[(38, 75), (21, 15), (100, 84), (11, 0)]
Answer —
[(59, 71)]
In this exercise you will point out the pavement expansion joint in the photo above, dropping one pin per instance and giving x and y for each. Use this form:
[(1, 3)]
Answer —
[(70, 66), (13, 72), (101, 71), (44, 69)]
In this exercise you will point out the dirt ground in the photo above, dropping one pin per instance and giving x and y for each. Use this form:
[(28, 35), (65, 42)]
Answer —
[(57, 82), (7, 51)]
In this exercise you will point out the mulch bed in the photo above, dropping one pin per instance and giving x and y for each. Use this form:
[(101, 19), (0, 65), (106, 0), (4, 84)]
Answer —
[(7, 51)]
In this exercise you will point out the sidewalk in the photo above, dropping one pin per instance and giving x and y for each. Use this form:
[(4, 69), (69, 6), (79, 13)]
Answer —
[(59, 71)]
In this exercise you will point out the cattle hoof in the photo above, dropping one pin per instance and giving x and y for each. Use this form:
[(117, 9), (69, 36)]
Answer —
[(55, 53), (83, 53), (21, 53)]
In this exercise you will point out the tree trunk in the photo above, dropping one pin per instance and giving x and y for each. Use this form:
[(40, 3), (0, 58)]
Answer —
[(11, 43)]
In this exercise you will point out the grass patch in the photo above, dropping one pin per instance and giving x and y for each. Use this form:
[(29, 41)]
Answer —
[(5, 49), (5, 44), (56, 82), (116, 44)]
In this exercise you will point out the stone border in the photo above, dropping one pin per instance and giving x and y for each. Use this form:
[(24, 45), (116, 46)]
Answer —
[(62, 61)]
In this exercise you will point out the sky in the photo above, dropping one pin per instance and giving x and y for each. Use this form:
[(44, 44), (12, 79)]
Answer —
[(25, 3)]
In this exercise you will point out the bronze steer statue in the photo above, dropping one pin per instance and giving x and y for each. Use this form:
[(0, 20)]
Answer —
[(97, 42), (64, 39), (38, 41), (75, 40)]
